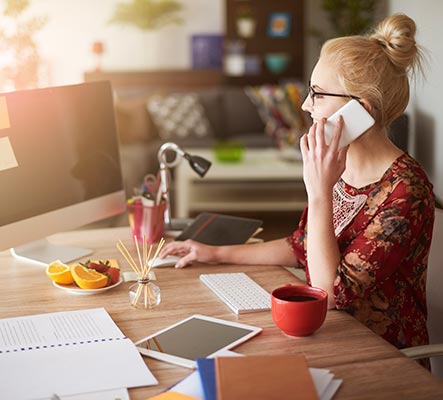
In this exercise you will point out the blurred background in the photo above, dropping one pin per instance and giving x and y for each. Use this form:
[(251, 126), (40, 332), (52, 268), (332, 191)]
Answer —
[(239, 43)]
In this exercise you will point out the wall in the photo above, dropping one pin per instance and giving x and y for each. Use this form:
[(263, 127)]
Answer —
[(66, 47), (424, 107), (427, 93), (73, 26), (65, 42)]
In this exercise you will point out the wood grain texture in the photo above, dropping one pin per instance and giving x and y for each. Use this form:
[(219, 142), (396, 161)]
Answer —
[(369, 366)]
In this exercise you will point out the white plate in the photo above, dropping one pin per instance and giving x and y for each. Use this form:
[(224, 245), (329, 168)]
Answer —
[(72, 288)]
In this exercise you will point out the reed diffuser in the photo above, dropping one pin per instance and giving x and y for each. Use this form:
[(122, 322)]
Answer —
[(143, 294)]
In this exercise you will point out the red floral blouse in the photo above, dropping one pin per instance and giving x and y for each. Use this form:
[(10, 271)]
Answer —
[(382, 273)]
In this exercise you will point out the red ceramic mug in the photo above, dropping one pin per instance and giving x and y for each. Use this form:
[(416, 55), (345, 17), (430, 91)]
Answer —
[(299, 310)]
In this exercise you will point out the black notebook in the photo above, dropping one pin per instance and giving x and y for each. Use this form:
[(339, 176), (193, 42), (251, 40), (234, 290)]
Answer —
[(220, 230)]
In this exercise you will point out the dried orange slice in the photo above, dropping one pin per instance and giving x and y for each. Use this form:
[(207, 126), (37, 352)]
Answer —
[(59, 273), (87, 278)]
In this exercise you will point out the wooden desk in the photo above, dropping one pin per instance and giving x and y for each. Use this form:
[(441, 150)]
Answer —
[(369, 366)]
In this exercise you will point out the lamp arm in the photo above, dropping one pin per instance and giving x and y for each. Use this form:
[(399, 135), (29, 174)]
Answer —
[(198, 164), (164, 188), (164, 176), (161, 155)]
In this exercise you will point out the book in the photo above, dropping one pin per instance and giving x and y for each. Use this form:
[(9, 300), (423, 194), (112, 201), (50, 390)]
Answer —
[(206, 371), (67, 353), (264, 378), (220, 230), (171, 395), (207, 51)]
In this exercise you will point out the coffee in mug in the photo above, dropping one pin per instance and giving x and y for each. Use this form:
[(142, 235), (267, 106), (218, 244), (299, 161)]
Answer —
[(299, 310)]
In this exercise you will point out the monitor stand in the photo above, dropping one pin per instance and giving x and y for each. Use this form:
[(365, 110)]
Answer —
[(43, 252)]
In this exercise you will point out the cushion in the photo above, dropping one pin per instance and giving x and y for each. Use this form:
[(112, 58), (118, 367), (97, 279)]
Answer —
[(241, 116), (212, 101), (133, 121), (179, 115), (280, 109)]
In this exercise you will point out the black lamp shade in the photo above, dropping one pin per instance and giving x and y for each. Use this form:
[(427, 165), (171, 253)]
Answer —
[(198, 164)]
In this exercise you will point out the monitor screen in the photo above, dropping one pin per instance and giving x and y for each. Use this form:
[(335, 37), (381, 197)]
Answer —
[(60, 163)]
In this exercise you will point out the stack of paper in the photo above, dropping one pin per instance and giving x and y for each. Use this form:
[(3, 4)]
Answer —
[(323, 380)]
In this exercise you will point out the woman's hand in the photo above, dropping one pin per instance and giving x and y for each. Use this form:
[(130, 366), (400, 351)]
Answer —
[(189, 251), (322, 164), (322, 167)]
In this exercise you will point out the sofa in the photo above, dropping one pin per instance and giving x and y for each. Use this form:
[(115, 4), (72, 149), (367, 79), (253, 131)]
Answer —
[(228, 112), (229, 115)]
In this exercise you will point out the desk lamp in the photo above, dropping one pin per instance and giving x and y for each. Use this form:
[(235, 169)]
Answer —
[(199, 164)]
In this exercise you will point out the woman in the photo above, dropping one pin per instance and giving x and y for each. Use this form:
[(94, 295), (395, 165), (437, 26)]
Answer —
[(365, 234)]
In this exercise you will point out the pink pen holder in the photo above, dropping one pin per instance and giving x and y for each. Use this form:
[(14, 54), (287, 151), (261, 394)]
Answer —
[(147, 221)]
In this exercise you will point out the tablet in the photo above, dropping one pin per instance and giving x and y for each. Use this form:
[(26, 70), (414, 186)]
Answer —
[(195, 337)]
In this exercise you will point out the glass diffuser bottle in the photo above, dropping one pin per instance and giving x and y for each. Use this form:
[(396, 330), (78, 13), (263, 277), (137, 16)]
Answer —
[(144, 294)]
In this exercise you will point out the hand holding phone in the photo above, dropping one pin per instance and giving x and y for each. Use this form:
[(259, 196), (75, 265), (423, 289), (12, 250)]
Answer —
[(356, 121)]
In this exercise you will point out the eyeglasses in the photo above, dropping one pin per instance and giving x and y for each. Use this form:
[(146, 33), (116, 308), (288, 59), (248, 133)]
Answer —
[(313, 94)]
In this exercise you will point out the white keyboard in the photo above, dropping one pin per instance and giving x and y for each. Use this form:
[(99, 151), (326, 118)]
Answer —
[(238, 291)]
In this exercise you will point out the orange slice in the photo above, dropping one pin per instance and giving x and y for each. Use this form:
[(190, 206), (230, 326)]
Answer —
[(87, 278), (59, 273)]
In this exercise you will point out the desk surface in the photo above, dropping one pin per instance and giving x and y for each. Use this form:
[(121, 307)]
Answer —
[(369, 366)]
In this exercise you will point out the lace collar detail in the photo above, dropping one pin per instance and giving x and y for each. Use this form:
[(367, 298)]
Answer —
[(345, 207)]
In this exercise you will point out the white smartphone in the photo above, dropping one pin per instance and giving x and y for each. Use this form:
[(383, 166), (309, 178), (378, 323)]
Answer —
[(356, 120)]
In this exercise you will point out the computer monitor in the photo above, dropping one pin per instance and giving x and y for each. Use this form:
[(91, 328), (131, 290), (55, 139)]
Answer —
[(59, 166)]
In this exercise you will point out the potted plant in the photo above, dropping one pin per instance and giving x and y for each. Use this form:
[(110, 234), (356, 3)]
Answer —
[(148, 14), (20, 56), (348, 17)]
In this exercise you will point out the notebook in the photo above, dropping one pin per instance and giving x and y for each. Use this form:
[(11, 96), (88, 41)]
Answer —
[(206, 371), (220, 229), (264, 378), (67, 353)]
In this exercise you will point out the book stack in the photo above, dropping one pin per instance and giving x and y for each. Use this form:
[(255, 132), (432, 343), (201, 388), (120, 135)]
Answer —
[(254, 377)]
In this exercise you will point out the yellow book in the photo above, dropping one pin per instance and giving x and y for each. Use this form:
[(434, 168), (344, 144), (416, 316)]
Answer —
[(171, 395)]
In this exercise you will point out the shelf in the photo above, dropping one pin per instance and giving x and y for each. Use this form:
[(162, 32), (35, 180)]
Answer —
[(261, 43)]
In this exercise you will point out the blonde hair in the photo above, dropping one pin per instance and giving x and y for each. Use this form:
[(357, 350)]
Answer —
[(375, 67)]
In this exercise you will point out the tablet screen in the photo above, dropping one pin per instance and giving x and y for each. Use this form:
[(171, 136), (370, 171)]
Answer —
[(195, 337)]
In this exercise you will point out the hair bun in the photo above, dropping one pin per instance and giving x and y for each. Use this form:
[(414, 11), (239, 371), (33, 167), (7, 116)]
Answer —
[(396, 35)]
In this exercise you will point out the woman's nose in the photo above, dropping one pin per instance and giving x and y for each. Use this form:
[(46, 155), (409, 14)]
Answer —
[(307, 104)]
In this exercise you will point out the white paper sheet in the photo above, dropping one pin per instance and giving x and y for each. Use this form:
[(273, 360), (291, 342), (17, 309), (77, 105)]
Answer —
[(7, 156), (115, 394), (67, 353), (322, 378)]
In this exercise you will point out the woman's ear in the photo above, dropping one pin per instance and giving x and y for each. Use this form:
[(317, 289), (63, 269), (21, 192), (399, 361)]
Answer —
[(366, 105)]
